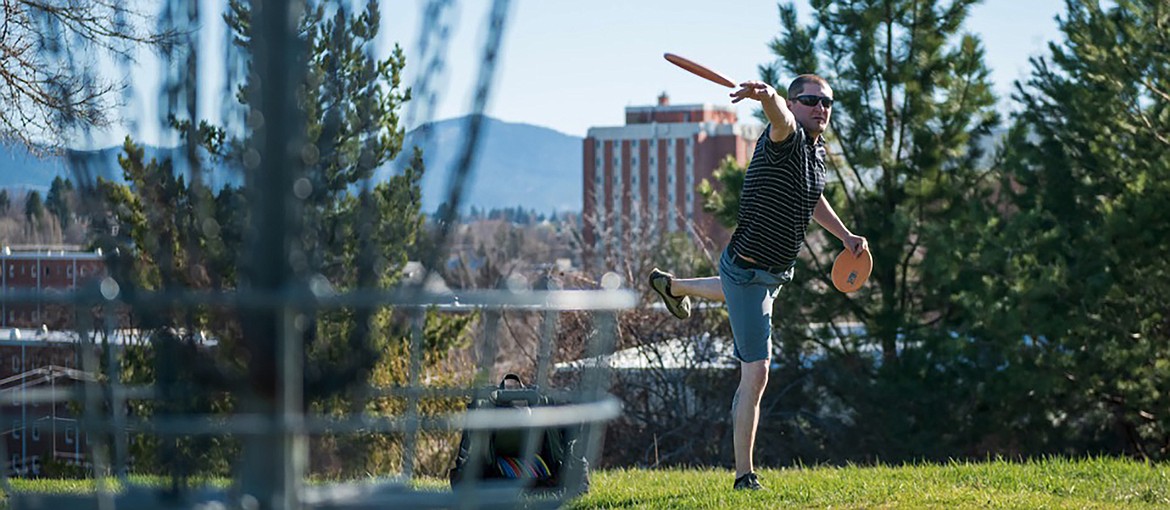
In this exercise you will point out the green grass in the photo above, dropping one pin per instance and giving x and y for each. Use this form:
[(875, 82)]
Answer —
[(1051, 483), (89, 486)]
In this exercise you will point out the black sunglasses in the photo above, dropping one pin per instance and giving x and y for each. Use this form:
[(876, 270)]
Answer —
[(812, 100)]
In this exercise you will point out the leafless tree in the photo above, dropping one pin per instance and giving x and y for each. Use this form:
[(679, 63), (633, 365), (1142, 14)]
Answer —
[(44, 87), (677, 380), (675, 406), (17, 229)]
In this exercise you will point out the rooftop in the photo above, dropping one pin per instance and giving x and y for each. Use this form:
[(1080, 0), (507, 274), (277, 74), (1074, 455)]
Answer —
[(43, 335)]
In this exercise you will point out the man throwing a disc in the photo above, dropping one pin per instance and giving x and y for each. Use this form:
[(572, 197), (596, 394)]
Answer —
[(781, 193)]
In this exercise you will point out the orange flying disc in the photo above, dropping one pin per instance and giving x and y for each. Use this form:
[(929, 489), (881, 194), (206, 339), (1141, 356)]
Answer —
[(851, 271), (700, 70)]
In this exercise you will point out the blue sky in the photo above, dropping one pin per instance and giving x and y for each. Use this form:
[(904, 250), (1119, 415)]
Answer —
[(571, 65)]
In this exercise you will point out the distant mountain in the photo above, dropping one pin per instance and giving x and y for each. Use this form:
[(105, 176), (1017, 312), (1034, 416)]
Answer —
[(21, 169), (518, 165)]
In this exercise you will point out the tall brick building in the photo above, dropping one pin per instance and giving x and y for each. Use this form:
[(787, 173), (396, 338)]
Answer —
[(641, 177)]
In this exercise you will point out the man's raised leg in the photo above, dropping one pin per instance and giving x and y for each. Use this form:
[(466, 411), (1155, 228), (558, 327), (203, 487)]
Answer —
[(707, 288)]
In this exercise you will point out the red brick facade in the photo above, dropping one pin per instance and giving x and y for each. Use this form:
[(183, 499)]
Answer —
[(36, 432), (645, 174), (42, 357), (44, 271)]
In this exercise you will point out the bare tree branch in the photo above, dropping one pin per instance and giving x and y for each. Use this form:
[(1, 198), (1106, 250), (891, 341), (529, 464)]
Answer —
[(40, 97)]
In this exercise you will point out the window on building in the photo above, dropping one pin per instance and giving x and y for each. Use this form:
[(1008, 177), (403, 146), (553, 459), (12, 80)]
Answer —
[(68, 270), (70, 434), (16, 428), (15, 366), (688, 160), (634, 144), (36, 432), (634, 161), (46, 270), (11, 270)]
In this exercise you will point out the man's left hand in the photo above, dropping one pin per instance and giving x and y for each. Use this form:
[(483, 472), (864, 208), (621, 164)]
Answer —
[(855, 244)]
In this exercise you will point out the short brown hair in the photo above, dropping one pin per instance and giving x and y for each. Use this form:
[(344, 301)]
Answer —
[(798, 84)]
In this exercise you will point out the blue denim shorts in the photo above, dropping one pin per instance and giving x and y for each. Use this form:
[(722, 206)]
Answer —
[(749, 294)]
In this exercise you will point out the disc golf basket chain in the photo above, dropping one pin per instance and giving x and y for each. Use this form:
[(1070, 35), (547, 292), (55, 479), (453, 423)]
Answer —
[(590, 408), (273, 428)]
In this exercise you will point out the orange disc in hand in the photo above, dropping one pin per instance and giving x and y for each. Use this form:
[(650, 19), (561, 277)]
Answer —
[(851, 271)]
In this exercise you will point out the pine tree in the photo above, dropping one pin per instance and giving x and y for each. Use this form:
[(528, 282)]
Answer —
[(34, 208), (351, 103), (60, 199), (914, 103), (354, 234), (914, 110), (907, 169), (1084, 265)]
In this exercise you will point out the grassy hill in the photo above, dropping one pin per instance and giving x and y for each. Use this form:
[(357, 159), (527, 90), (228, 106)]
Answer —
[(1052, 483), (1048, 483)]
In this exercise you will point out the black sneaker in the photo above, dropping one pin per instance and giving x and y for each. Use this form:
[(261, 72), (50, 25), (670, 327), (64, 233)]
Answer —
[(748, 482), (660, 282)]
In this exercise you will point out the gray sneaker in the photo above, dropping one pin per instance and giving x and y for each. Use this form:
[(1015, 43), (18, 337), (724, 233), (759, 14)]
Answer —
[(748, 482), (660, 282)]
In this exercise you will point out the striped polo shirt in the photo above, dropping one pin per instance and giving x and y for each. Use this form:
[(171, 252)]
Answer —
[(783, 183)]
